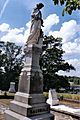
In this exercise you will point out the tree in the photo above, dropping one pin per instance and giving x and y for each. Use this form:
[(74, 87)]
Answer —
[(1, 69), (69, 5), (51, 61), (74, 79), (12, 62)]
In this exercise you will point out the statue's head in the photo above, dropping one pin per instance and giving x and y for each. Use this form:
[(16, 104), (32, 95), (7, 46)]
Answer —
[(40, 5)]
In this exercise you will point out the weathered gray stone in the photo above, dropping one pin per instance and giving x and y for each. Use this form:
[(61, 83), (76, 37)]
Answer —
[(29, 102), (12, 87), (31, 79), (10, 115), (52, 99), (29, 98)]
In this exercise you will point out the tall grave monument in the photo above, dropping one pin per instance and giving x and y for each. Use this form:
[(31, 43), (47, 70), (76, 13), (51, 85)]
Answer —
[(29, 102)]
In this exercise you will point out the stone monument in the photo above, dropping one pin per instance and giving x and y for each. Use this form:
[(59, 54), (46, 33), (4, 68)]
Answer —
[(52, 100), (12, 87), (29, 102)]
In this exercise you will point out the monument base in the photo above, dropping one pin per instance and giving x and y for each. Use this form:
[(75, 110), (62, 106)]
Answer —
[(10, 115), (28, 107)]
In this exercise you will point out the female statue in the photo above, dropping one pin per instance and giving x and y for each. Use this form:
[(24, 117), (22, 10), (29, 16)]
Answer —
[(36, 23)]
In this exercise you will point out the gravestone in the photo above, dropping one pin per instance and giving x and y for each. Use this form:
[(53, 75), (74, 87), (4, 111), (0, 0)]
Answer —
[(0, 92), (12, 87), (52, 99), (29, 102)]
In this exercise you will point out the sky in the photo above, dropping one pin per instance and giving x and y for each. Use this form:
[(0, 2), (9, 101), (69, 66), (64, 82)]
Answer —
[(15, 19)]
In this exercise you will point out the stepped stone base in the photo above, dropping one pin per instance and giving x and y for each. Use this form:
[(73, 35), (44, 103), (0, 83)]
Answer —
[(10, 115), (28, 107)]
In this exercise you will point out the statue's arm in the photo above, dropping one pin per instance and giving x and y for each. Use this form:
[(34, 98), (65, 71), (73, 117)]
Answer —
[(36, 14)]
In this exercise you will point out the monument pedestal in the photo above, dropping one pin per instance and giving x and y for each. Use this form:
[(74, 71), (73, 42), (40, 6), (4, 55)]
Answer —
[(29, 102)]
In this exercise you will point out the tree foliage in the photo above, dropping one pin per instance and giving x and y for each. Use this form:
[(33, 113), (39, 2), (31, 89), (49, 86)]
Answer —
[(74, 79), (11, 62), (51, 61), (1, 70), (69, 5)]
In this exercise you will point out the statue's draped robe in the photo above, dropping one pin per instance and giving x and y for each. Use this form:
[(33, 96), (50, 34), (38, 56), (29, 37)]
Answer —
[(35, 26)]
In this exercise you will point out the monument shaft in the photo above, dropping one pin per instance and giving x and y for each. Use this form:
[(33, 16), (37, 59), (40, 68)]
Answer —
[(31, 79)]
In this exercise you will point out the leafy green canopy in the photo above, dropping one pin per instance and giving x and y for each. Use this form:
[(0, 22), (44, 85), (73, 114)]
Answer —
[(11, 62), (51, 60), (69, 5)]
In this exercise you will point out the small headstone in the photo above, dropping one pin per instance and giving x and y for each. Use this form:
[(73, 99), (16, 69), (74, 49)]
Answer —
[(12, 87), (52, 97), (0, 92)]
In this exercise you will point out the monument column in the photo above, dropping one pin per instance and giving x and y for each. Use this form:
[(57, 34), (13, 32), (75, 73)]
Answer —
[(31, 79), (29, 102)]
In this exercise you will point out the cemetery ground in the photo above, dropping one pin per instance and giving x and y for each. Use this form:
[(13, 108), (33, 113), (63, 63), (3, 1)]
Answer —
[(4, 104)]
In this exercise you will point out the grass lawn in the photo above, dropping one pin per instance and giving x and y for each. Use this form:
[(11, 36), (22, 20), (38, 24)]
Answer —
[(70, 96)]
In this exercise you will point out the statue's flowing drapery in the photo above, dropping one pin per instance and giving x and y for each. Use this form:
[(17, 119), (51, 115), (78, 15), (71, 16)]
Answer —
[(34, 32), (36, 23)]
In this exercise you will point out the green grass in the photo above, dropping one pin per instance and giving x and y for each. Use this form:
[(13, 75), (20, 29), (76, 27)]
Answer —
[(8, 93), (45, 94), (65, 95), (70, 96)]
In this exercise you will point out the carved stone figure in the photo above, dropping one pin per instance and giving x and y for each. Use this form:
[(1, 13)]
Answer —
[(36, 23)]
